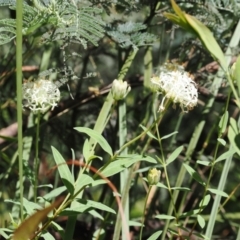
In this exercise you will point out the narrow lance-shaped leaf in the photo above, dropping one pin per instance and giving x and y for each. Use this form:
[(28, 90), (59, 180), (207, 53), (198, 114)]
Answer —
[(64, 171), (194, 26), (155, 236), (218, 192), (236, 73), (234, 135), (97, 137), (194, 174), (225, 155), (223, 122), (201, 221), (179, 18), (174, 155), (208, 40)]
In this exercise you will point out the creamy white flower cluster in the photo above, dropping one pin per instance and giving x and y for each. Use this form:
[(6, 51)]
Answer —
[(40, 95), (176, 85)]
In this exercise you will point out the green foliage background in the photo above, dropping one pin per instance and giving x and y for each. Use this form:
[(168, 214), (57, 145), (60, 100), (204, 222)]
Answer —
[(81, 46)]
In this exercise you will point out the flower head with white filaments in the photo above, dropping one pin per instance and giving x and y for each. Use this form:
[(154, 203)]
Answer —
[(176, 85), (40, 95)]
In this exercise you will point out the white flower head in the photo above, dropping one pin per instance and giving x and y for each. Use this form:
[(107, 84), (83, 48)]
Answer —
[(40, 95), (176, 85), (120, 89)]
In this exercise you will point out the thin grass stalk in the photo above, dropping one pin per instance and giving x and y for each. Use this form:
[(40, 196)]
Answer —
[(19, 38), (198, 130), (123, 175), (124, 196), (36, 160), (144, 211)]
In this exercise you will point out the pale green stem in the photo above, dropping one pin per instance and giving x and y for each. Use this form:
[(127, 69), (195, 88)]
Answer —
[(36, 160), (144, 212), (123, 174), (104, 113), (19, 98)]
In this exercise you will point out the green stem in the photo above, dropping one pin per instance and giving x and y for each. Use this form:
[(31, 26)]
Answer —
[(144, 211), (36, 160), (19, 97), (123, 174), (104, 113)]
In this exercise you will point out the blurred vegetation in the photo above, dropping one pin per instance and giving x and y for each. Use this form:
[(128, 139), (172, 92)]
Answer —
[(85, 62)]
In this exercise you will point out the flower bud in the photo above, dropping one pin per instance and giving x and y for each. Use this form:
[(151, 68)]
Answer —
[(153, 176), (120, 89), (40, 95)]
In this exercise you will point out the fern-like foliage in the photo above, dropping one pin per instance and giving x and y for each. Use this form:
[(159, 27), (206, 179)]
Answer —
[(63, 19), (131, 34)]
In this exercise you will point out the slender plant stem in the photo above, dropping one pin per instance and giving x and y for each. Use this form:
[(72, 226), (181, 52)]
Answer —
[(19, 98), (123, 174), (36, 160), (144, 211)]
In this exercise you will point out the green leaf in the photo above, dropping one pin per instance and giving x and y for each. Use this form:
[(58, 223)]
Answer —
[(97, 137), (134, 224), (124, 162), (181, 189), (208, 40), (225, 155), (155, 236), (236, 73), (64, 171), (218, 192), (223, 122), (30, 207), (95, 214), (2, 232), (4, 38), (204, 163), (165, 217), (194, 174), (97, 205), (180, 18), (45, 186), (204, 202), (174, 155), (169, 135), (47, 236), (82, 181), (161, 185), (234, 135), (190, 213), (148, 132), (86, 150), (201, 221), (194, 26), (54, 193), (222, 141)]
